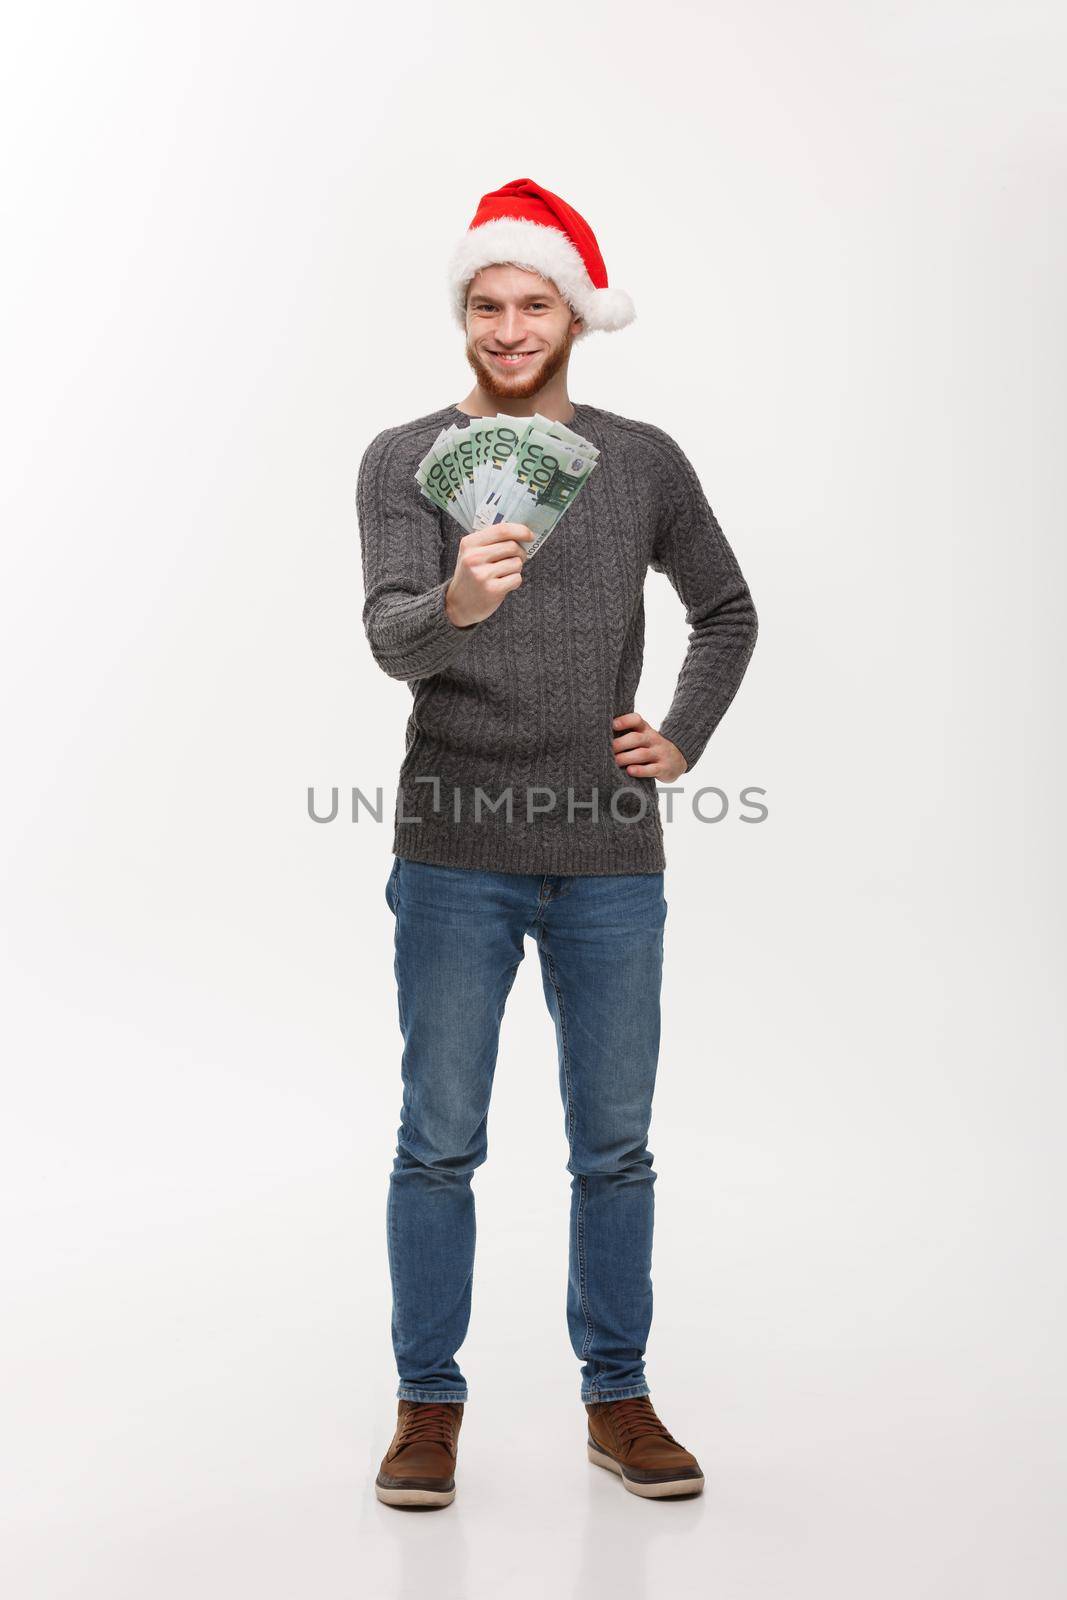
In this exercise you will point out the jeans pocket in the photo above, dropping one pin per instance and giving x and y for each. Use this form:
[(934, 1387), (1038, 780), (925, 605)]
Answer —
[(390, 885)]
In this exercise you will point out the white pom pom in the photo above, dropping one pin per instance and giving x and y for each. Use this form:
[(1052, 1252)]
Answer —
[(609, 309)]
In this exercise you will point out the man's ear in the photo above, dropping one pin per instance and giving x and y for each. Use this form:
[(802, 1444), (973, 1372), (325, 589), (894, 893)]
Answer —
[(576, 326)]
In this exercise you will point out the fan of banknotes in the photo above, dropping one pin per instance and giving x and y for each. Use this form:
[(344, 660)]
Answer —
[(507, 469)]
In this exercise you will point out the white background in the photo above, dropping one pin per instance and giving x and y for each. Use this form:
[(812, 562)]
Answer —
[(842, 226)]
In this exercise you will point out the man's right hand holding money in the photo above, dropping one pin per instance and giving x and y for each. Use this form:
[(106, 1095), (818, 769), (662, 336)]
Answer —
[(488, 566)]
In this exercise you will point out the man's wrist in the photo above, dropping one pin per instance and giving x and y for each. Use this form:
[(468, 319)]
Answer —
[(450, 613)]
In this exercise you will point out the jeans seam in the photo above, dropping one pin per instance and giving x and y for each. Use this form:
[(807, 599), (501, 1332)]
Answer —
[(580, 1210), (631, 1391), (391, 1230), (437, 1395), (392, 1247), (399, 984)]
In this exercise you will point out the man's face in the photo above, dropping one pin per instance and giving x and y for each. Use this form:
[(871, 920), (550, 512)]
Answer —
[(511, 311)]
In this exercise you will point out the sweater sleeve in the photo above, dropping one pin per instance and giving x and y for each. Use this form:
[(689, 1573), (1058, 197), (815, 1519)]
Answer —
[(410, 633), (691, 549)]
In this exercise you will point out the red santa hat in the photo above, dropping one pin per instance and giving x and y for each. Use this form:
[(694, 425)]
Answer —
[(527, 226)]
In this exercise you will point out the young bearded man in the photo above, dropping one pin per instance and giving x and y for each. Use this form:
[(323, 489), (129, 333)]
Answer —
[(524, 684)]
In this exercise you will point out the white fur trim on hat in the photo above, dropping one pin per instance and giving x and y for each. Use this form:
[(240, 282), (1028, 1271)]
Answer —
[(538, 248)]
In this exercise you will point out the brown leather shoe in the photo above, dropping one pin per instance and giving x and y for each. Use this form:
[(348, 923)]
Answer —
[(627, 1437), (418, 1469)]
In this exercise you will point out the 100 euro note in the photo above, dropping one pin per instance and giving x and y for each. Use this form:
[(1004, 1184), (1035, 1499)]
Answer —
[(463, 464), (507, 469), (442, 478), (538, 485)]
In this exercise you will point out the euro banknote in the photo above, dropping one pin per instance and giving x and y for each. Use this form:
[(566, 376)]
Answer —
[(507, 469)]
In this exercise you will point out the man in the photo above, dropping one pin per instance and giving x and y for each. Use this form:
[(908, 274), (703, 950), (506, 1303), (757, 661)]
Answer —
[(527, 803)]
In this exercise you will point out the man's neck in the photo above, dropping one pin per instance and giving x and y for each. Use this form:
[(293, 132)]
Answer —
[(552, 402)]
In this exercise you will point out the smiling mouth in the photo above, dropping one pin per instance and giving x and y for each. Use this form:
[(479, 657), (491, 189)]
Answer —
[(512, 358)]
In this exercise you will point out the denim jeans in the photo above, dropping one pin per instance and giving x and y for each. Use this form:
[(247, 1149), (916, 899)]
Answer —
[(458, 938)]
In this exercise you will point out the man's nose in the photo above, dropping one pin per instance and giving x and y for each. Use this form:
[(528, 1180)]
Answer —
[(511, 328)]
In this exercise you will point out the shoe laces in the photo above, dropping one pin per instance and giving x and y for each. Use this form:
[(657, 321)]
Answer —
[(428, 1422), (631, 1419)]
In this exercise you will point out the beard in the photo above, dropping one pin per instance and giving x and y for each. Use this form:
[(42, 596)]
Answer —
[(499, 386)]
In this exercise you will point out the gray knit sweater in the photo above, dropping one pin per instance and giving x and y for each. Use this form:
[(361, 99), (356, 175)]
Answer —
[(509, 763)]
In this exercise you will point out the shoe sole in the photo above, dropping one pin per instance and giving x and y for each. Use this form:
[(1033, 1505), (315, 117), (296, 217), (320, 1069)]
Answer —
[(667, 1489), (414, 1497)]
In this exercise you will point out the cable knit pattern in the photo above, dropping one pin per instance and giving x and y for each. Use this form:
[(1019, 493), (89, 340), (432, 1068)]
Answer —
[(524, 700)]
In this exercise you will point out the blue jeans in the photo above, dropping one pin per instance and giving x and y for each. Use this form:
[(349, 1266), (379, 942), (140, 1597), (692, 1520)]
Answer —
[(459, 937)]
